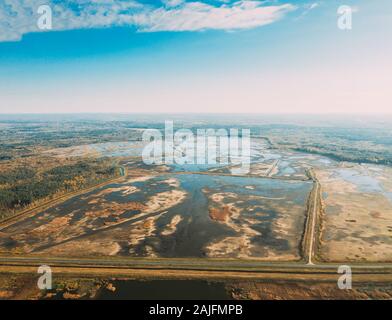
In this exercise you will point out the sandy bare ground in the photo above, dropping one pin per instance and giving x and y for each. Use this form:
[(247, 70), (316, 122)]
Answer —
[(65, 235), (357, 223)]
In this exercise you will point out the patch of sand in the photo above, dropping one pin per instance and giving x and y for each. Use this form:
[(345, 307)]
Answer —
[(173, 182), (164, 200), (172, 227), (81, 247)]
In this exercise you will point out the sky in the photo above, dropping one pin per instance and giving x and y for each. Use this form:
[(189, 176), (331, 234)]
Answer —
[(219, 56)]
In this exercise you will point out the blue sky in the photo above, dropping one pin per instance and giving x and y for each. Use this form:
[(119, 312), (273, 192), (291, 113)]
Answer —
[(196, 56)]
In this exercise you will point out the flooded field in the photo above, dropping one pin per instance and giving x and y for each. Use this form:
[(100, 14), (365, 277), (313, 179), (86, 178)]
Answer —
[(171, 215), (200, 210), (106, 149)]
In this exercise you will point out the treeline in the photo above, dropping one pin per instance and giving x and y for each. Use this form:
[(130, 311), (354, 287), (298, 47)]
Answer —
[(24, 187), (358, 157)]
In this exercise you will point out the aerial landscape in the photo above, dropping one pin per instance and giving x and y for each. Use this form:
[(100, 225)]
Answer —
[(99, 201), (195, 150)]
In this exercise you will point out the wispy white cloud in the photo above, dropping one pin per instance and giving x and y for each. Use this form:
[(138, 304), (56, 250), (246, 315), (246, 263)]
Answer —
[(193, 16), (18, 17), (307, 8)]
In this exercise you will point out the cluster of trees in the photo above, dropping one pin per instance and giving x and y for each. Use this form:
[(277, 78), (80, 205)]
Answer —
[(25, 186)]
